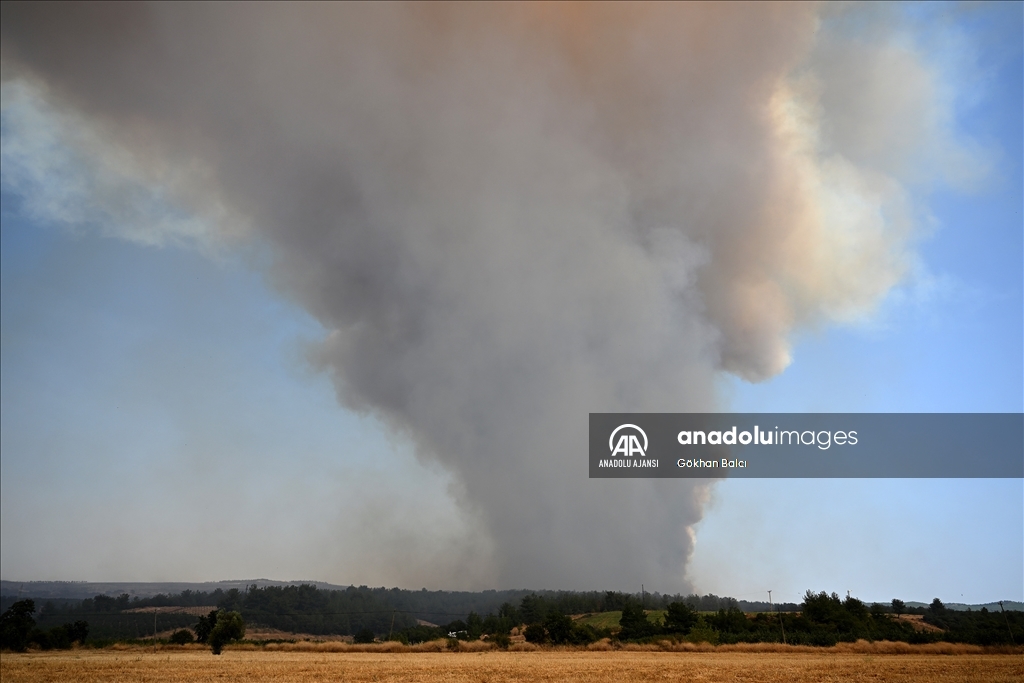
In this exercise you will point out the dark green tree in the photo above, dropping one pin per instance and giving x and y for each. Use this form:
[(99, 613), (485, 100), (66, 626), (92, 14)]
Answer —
[(229, 627), (508, 611), (474, 626), (16, 625), (63, 636), (535, 633), (679, 617), (898, 607), (78, 631), (559, 628), (493, 625), (532, 609), (232, 600), (634, 622), (614, 601), (205, 626), (364, 635), (821, 607), (856, 608)]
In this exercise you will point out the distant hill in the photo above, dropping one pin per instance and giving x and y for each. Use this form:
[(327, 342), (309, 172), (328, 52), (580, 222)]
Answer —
[(1010, 605), (79, 590)]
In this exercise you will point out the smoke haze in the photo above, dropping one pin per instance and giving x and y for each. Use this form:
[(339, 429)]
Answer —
[(507, 216)]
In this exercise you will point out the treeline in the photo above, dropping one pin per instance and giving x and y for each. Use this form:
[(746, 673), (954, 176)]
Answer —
[(18, 630), (119, 603), (308, 609), (822, 620), (544, 616), (982, 627), (107, 616), (432, 606), (825, 620)]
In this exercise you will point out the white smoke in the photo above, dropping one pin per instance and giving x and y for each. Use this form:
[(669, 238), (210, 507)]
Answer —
[(507, 216)]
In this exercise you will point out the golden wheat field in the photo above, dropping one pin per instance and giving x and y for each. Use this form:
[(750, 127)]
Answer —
[(496, 666)]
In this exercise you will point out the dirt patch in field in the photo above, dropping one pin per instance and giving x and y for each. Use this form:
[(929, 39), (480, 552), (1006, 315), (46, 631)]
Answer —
[(197, 611), (264, 633), (917, 621)]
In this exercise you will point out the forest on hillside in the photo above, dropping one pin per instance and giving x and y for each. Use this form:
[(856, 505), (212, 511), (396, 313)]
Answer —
[(545, 616)]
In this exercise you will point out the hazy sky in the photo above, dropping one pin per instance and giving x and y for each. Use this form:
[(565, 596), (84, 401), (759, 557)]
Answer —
[(327, 292)]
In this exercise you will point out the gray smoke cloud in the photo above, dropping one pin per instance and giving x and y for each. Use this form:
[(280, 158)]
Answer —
[(508, 216)]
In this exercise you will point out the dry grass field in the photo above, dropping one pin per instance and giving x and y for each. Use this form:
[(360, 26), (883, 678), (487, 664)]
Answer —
[(494, 666)]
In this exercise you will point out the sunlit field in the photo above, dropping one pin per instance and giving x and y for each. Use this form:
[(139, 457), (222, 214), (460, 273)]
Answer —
[(495, 666)]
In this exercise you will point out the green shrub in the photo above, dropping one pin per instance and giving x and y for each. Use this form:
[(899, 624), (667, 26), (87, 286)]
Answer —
[(229, 627), (182, 637), (702, 633), (535, 634)]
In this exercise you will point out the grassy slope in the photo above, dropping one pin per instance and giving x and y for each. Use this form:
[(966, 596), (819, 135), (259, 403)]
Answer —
[(611, 619)]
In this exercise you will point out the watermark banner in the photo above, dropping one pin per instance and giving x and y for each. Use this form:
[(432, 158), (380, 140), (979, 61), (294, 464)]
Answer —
[(806, 445)]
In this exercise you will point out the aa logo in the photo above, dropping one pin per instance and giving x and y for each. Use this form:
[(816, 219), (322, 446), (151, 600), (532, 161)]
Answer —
[(628, 443)]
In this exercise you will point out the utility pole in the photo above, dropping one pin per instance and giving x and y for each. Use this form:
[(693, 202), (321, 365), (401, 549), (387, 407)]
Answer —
[(643, 597), (1007, 622), (392, 629), (781, 626)]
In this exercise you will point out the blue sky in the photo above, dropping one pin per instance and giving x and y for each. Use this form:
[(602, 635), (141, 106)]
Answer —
[(950, 344), (146, 390), (158, 407)]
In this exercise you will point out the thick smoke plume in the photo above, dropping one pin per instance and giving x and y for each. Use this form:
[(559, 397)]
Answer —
[(508, 216)]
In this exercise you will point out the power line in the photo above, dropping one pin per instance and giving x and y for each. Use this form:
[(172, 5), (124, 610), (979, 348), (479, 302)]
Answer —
[(1012, 641), (780, 617)]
